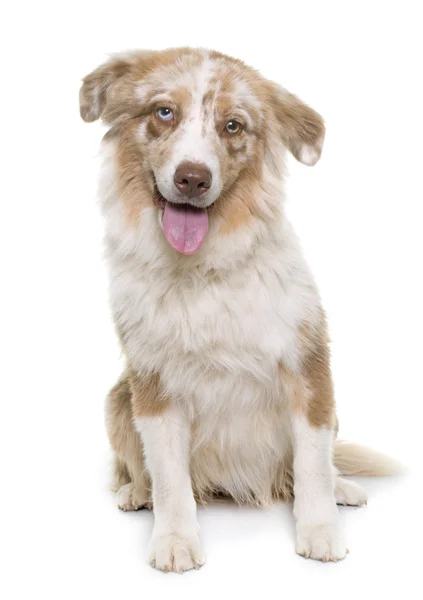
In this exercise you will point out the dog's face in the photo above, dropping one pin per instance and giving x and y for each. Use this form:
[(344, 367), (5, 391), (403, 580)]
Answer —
[(192, 126)]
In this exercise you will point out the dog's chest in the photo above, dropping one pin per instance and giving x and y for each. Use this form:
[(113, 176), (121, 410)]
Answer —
[(207, 331)]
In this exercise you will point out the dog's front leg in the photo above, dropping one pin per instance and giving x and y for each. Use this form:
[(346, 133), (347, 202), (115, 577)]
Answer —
[(318, 529), (319, 533), (175, 544)]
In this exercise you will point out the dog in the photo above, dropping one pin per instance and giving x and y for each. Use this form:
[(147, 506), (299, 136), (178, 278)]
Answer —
[(227, 389)]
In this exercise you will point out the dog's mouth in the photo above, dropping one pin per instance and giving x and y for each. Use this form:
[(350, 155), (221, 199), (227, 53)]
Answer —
[(184, 225)]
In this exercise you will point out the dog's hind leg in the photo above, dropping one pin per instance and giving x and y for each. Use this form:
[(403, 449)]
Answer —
[(132, 496), (120, 474), (130, 481), (349, 493)]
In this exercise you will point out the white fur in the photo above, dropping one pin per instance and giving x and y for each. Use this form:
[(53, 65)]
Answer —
[(352, 459), (309, 155), (194, 141), (319, 534), (175, 543), (129, 497), (349, 493)]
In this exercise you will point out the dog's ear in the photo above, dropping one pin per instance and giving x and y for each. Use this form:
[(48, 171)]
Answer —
[(302, 128), (97, 87)]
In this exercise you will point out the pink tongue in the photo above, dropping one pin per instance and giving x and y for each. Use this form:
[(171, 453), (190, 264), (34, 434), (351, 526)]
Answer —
[(185, 227)]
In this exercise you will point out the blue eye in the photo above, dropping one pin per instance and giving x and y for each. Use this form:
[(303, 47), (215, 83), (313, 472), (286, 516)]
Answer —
[(164, 113)]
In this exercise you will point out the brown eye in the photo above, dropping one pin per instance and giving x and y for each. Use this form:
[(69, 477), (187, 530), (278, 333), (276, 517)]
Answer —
[(233, 126)]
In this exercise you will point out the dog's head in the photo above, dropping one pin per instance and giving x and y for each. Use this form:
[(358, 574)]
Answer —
[(193, 130)]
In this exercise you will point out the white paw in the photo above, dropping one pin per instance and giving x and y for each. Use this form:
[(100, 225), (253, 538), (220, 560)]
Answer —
[(129, 497), (321, 542), (176, 552), (349, 493)]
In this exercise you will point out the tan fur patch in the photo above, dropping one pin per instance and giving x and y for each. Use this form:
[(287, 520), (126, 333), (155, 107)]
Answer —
[(311, 392), (294, 387), (132, 181), (148, 398), (238, 208), (124, 440), (317, 373), (300, 125)]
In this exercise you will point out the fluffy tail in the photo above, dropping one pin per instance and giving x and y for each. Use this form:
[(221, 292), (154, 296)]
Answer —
[(352, 459)]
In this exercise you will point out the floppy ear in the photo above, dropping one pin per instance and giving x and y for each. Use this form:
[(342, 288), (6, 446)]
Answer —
[(100, 86), (95, 87), (301, 127)]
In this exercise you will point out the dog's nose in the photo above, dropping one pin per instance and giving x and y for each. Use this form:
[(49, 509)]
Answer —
[(192, 179)]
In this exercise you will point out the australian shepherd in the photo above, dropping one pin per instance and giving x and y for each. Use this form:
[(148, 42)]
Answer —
[(228, 388)]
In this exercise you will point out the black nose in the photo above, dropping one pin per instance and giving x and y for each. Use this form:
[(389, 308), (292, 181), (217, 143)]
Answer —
[(192, 179)]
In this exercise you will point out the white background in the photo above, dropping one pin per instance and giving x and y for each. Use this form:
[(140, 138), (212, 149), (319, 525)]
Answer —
[(359, 215)]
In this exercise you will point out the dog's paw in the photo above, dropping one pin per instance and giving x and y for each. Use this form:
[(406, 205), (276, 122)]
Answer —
[(349, 493), (129, 497), (176, 552), (321, 542)]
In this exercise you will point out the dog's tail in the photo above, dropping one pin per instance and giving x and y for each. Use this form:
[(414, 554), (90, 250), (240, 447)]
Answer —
[(353, 459)]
